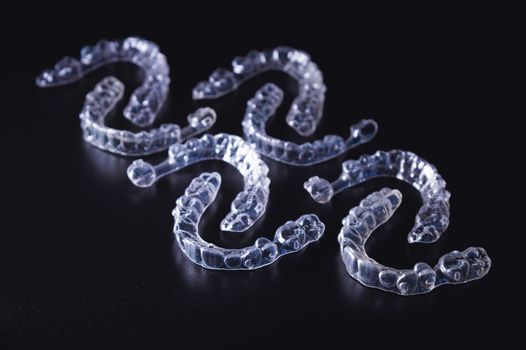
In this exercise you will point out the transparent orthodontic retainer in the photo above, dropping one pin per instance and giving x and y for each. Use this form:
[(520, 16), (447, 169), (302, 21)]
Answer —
[(144, 105), (452, 268), (431, 221), (248, 206), (303, 116), (291, 237)]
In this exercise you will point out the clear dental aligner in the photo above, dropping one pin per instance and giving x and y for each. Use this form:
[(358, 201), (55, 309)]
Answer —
[(452, 268), (144, 105), (99, 103), (291, 237), (248, 206), (263, 106), (307, 108), (432, 218), (147, 100)]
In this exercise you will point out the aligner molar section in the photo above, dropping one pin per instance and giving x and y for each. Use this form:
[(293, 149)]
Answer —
[(459, 267)]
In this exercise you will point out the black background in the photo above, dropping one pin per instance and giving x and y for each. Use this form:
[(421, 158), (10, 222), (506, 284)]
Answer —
[(87, 260)]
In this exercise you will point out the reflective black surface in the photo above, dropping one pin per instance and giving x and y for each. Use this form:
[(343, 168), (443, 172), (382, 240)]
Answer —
[(89, 260)]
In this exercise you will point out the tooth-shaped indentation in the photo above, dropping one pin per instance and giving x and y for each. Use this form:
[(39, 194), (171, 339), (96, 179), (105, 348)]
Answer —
[(455, 267), (252, 257), (407, 282), (212, 257), (142, 174), (269, 249), (352, 234), (312, 225), (320, 189), (233, 260), (368, 271), (388, 278), (350, 259), (289, 238), (143, 107), (291, 235), (246, 208), (426, 276)]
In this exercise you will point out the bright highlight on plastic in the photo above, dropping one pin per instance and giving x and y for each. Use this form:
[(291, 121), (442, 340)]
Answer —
[(248, 206), (291, 237), (452, 268)]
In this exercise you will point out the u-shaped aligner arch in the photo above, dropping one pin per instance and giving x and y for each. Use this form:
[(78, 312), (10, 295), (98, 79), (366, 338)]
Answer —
[(144, 105), (452, 268), (303, 116), (248, 206), (146, 100), (432, 218), (291, 237), (263, 106), (307, 108)]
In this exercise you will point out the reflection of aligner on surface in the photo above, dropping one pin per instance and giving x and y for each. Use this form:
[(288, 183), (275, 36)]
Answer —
[(263, 106), (248, 206), (144, 105), (307, 108), (289, 238), (452, 268), (432, 218)]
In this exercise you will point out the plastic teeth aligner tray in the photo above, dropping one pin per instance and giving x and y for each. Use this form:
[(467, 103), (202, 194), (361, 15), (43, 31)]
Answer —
[(452, 268), (303, 116), (144, 105), (291, 237), (248, 206), (101, 101), (263, 106), (431, 221), (307, 108), (432, 218)]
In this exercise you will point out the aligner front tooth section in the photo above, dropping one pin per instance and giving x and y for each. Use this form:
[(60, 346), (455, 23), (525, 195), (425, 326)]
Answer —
[(452, 268), (248, 206), (307, 108), (263, 106), (291, 237), (145, 102), (432, 218)]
